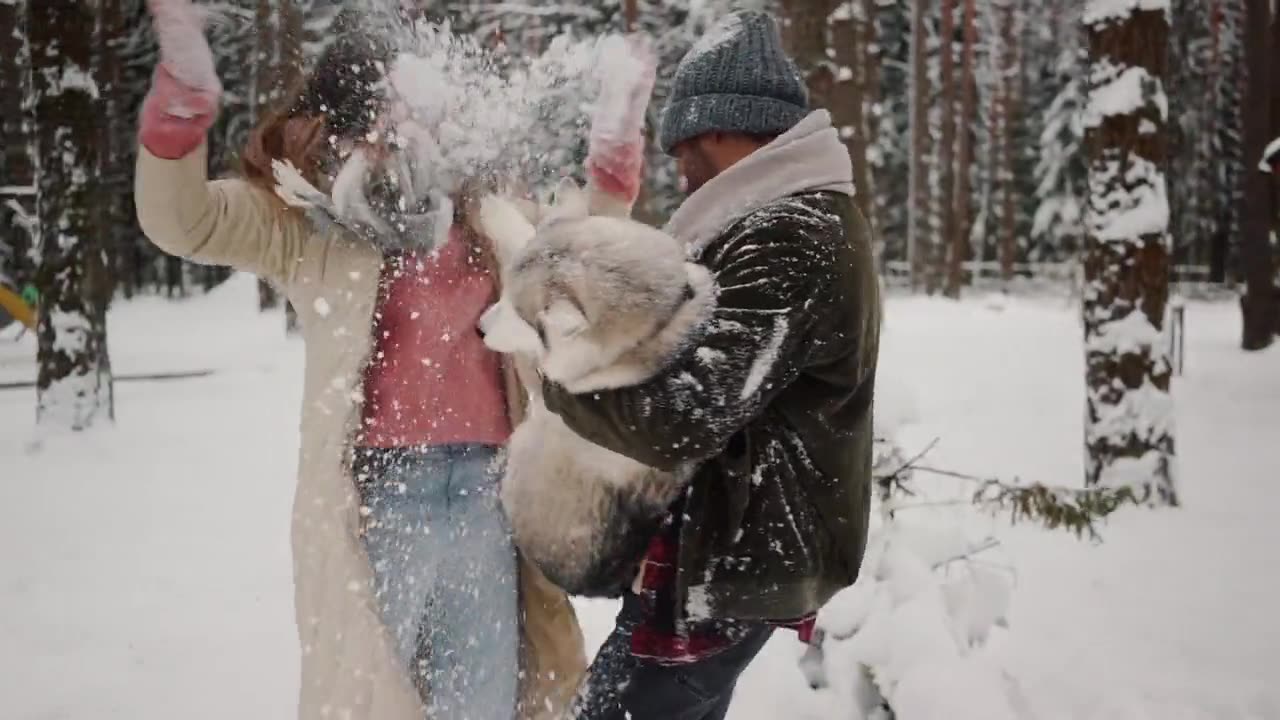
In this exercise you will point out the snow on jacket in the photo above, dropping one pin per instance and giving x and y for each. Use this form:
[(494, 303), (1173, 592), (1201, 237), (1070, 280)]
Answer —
[(348, 668), (773, 401)]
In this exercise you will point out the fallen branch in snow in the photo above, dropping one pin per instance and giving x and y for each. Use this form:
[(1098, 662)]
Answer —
[(146, 377), (1075, 509), (897, 480), (924, 601)]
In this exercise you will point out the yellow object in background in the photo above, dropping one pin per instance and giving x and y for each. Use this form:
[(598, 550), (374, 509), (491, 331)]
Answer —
[(14, 305)]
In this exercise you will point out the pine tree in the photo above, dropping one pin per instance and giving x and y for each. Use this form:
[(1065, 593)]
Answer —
[(891, 151), (113, 216), (867, 71), (946, 144), (831, 42), (1129, 419), (74, 376), (1222, 207), (1008, 15), (17, 155), (918, 226), (805, 33), (1187, 81), (272, 73), (961, 200), (1060, 173)]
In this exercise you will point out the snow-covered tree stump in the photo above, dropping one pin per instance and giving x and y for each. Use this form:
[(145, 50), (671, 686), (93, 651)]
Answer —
[(1129, 419)]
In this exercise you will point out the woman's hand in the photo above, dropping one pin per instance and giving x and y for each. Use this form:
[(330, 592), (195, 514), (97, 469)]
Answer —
[(183, 101), (179, 26), (615, 151)]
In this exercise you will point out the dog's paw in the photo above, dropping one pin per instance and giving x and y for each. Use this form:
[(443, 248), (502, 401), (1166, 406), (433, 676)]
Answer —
[(505, 226)]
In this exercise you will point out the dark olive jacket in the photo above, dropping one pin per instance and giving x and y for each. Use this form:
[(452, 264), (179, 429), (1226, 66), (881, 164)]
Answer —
[(772, 403)]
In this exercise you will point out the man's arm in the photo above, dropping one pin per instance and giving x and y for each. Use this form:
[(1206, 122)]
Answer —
[(769, 276)]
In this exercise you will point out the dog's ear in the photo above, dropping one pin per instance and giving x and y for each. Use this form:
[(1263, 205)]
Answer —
[(570, 202), (505, 226)]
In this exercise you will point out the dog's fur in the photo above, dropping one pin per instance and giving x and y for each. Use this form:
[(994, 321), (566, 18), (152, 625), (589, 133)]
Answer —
[(595, 303)]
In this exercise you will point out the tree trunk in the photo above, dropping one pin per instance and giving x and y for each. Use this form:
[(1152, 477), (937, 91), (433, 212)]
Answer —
[(946, 145), (1129, 419), (918, 201), (17, 155), (1259, 302), (74, 376), (804, 32), (265, 74), (869, 68), (112, 223), (1273, 179), (1275, 94), (960, 209), (826, 41), (17, 168), (1207, 204), (1227, 148), (848, 101), (290, 60), (1009, 76), (277, 69), (995, 146)]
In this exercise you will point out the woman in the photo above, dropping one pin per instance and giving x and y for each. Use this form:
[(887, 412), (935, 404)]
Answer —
[(405, 578)]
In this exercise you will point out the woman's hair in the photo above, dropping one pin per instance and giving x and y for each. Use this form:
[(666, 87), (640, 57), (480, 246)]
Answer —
[(340, 100)]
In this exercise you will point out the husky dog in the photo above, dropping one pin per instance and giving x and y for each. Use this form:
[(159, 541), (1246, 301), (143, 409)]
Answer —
[(594, 303)]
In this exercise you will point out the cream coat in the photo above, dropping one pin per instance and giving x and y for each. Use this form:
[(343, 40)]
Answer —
[(348, 668)]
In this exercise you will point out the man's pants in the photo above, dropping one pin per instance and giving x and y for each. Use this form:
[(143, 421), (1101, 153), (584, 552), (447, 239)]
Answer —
[(620, 686)]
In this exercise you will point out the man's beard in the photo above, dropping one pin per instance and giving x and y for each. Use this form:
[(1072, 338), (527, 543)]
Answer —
[(698, 171)]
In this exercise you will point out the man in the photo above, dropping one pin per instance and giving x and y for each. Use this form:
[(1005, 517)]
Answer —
[(770, 406)]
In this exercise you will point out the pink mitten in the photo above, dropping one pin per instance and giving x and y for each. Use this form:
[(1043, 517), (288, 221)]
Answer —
[(183, 101), (615, 150), (175, 117)]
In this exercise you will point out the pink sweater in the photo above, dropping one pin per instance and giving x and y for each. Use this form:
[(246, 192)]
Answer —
[(431, 380)]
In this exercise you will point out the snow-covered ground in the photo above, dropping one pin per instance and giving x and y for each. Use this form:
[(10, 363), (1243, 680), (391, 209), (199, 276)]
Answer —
[(144, 568)]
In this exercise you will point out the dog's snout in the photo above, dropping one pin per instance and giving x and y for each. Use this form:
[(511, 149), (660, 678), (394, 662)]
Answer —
[(486, 320)]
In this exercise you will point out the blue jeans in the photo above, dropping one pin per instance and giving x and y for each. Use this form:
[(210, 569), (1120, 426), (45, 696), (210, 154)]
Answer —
[(445, 571)]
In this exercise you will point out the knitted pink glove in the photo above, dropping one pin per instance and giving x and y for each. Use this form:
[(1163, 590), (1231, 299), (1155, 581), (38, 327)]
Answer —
[(183, 102), (175, 117), (615, 148)]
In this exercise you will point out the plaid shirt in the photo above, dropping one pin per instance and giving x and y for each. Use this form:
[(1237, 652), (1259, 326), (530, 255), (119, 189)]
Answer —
[(667, 639)]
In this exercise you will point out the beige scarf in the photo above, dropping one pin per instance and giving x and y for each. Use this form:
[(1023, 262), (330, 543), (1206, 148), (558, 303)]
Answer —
[(807, 158)]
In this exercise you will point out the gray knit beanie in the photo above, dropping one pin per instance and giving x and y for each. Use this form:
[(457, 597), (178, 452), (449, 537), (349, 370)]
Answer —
[(736, 78)]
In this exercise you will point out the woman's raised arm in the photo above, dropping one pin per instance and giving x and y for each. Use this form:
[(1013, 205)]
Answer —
[(228, 222)]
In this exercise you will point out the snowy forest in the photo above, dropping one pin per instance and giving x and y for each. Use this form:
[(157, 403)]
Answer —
[(1076, 214), (976, 111)]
